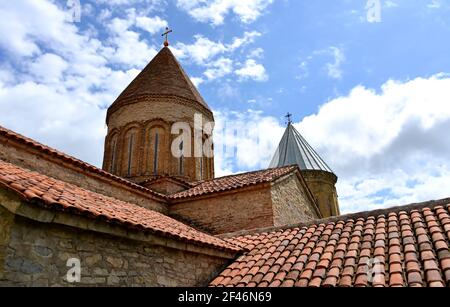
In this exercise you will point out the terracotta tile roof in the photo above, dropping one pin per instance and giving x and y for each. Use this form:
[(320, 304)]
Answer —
[(163, 76), (69, 159), (58, 195), (234, 182), (157, 178), (402, 247)]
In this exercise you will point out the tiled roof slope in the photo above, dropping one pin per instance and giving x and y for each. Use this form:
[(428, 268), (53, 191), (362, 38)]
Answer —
[(162, 76), (69, 159), (405, 247), (58, 195), (234, 182)]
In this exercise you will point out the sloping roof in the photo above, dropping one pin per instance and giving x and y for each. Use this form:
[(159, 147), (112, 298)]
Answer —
[(294, 149), (162, 76), (158, 178), (234, 182), (61, 196), (8, 134), (405, 246)]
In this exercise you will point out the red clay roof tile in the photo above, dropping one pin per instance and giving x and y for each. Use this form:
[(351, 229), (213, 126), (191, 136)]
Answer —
[(234, 182), (326, 254), (57, 195), (74, 161)]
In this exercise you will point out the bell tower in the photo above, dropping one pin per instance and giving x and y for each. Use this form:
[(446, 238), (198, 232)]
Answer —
[(138, 145)]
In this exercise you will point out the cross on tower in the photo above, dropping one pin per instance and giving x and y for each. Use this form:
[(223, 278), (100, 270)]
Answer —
[(289, 118), (166, 34)]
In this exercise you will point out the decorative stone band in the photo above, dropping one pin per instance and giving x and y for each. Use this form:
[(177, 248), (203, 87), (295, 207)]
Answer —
[(157, 98)]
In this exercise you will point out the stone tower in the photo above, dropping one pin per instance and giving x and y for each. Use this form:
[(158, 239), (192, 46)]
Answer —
[(295, 150), (139, 140)]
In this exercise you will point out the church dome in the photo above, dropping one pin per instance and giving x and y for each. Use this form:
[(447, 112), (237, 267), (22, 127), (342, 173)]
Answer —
[(162, 77), (138, 145), (295, 150)]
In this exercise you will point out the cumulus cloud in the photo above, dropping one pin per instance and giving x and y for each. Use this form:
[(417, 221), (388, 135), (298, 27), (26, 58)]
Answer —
[(252, 70), (219, 68), (128, 48), (244, 140), (388, 148), (202, 50), (215, 11), (58, 96), (48, 67), (334, 69), (215, 56), (151, 24)]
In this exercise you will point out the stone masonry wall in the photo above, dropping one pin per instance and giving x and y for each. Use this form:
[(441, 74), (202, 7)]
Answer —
[(6, 221), (35, 161), (322, 185), (37, 255), (291, 204), (241, 210)]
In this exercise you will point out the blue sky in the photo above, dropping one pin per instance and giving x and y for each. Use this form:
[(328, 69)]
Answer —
[(371, 97)]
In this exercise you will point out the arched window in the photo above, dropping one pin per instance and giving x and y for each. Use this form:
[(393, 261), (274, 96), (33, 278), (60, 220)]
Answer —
[(156, 154), (201, 168), (112, 167), (130, 154), (181, 161)]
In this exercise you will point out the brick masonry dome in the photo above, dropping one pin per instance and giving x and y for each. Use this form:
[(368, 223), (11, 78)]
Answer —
[(138, 144), (163, 76)]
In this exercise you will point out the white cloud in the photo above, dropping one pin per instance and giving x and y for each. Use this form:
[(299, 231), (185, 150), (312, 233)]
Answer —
[(252, 70), (214, 11), (151, 24), (388, 148), (48, 97), (21, 27), (244, 140), (215, 56), (248, 38), (197, 81), (257, 53), (219, 69), (202, 50), (390, 4), (334, 68), (49, 68), (434, 4), (129, 49)]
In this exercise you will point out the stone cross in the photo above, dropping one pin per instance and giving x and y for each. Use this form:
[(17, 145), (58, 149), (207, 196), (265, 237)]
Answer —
[(166, 34)]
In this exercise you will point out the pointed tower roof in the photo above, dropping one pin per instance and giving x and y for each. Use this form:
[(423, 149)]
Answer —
[(294, 149), (163, 76)]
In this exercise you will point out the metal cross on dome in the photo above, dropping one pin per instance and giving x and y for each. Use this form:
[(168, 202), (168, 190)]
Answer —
[(166, 34), (289, 118)]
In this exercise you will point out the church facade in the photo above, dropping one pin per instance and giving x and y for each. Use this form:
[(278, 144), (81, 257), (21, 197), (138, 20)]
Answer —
[(150, 217)]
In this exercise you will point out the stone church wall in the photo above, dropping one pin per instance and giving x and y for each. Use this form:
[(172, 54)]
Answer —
[(36, 254), (291, 204), (281, 203), (29, 158), (323, 187), (242, 209)]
